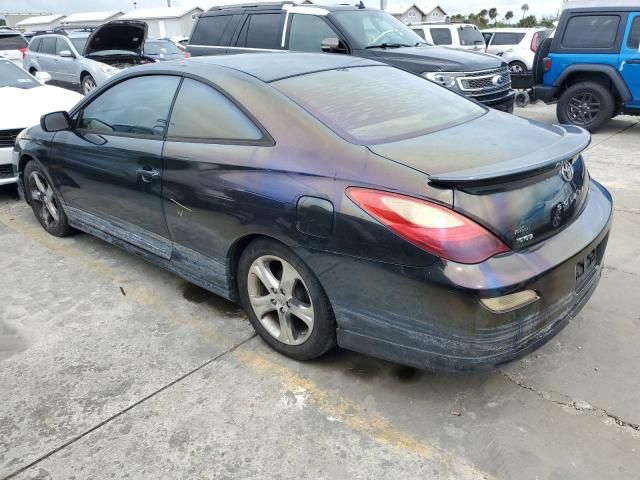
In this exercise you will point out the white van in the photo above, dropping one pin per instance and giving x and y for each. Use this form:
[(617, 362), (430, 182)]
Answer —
[(456, 35)]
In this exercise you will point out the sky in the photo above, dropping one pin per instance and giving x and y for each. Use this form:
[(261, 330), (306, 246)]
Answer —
[(537, 7)]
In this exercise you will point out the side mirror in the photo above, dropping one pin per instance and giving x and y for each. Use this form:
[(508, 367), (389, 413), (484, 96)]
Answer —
[(44, 77), (67, 54), (332, 45), (55, 122)]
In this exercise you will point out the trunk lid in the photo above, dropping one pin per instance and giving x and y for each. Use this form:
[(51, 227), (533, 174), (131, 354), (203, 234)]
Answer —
[(117, 36), (522, 180)]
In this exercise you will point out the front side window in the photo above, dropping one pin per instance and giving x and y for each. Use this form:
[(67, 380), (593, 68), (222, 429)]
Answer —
[(371, 28), (591, 31), (201, 112), (507, 38), (138, 106), (634, 35), (358, 112), (209, 30), (261, 30), (307, 33), (441, 36)]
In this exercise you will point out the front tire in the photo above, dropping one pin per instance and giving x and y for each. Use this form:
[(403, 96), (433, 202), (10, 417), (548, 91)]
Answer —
[(44, 201), (284, 300), (87, 84), (586, 104), (518, 68)]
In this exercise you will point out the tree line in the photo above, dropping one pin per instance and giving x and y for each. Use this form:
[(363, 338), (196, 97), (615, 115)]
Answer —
[(491, 18)]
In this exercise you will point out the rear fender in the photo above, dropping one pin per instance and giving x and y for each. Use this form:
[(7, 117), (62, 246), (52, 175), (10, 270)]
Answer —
[(608, 71)]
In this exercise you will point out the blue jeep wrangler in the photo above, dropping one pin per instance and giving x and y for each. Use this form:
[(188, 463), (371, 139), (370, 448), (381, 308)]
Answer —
[(591, 65)]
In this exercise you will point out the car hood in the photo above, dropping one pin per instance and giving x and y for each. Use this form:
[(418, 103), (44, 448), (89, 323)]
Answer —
[(122, 35), (430, 58), (28, 105)]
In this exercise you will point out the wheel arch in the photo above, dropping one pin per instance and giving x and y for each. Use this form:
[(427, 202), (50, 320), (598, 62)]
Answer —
[(22, 163), (605, 74)]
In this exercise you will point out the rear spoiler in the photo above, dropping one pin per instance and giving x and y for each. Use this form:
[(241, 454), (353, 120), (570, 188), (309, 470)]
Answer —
[(573, 142)]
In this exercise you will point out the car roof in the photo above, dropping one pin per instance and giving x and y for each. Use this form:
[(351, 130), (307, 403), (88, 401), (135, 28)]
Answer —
[(282, 5), (269, 67), (599, 6)]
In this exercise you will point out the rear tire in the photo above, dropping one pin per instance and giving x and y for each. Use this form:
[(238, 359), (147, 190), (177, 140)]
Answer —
[(586, 104), (277, 290), (33, 71), (518, 68), (44, 201)]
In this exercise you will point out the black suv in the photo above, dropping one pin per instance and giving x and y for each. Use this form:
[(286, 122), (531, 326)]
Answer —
[(350, 30)]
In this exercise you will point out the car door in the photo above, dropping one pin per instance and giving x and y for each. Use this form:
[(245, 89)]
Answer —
[(108, 167), (210, 153), (65, 66), (630, 58), (46, 56)]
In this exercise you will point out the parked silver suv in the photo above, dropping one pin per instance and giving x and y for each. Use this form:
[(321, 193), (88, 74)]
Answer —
[(84, 59)]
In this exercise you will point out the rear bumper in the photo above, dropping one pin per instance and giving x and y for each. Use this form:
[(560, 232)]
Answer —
[(431, 317)]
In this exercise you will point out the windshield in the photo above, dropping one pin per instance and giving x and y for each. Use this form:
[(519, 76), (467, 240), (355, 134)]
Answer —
[(160, 48), (350, 102), (371, 28), (79, 43), (13, 76), (470, 36), (12, 42)]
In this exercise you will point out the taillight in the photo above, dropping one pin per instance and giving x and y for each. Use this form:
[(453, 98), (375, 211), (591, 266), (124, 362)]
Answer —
[(23, 51), (186, 54), (546, 63), (535, 40), (431, 227)]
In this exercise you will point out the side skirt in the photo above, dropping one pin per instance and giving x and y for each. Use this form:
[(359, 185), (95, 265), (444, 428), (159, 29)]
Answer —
[(186, 263)]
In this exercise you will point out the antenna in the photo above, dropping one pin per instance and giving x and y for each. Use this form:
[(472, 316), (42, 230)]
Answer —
[(360, 5)]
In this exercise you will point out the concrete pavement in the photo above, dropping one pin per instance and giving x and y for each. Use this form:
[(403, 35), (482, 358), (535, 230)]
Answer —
[(113, 368)]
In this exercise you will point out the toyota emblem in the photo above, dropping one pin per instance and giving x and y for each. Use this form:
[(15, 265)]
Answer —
[(566, 171)]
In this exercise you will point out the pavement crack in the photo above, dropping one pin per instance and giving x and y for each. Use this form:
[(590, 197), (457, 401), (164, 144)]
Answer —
[(129, 408), (565, 401)]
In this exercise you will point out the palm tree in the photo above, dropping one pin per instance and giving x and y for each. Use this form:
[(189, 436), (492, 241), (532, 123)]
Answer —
[(493, 14), (508, 16), (525, 9), (482, 13)]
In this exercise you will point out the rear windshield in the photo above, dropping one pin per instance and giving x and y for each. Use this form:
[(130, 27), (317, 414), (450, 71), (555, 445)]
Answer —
[(470, 36), (160, 48), (370, 105), (12, 42)]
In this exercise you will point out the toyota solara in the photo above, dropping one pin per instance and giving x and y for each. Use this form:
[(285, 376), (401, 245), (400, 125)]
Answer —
[(339, 200)]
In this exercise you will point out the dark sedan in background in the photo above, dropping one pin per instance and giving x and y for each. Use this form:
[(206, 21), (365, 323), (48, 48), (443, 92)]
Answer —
[(407, 225)]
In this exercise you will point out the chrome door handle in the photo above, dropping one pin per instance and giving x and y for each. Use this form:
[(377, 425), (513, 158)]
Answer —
[(147, 174)]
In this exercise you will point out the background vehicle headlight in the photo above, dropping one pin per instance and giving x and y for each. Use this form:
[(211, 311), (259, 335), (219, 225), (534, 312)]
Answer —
[(443, 79), (108, 68), (20, 136)]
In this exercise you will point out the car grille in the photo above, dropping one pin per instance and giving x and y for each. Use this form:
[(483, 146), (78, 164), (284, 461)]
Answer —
[(8, 137), (6, 171), (477, 84)]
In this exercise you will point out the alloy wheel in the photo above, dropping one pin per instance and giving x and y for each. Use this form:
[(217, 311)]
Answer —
[(45, 203), (583, 108), (516, 68), (87, 85), (280, 300)]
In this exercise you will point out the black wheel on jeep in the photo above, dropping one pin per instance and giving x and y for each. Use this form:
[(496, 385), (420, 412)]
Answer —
[(586, 104)]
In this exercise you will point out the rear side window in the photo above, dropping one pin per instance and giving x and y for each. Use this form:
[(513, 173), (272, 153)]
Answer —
[(201, 112), (441, 36), (261, 31), (35, 44), (357, 111), (209, 30), (48, 45), (307, 33), (507, 38), (470, 36), (634, 35), (138, 106), (12, 42), (591, 31)]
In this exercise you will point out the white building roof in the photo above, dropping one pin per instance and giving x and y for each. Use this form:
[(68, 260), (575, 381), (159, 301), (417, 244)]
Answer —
[(39, 20), (425, 8), (91, 16), (153, 13)]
